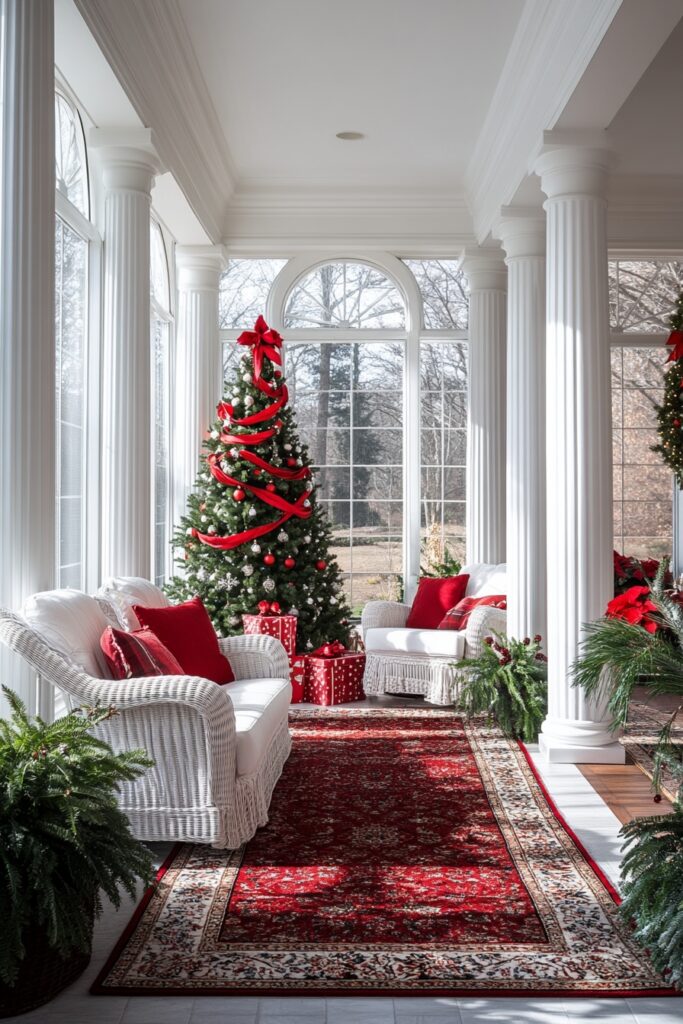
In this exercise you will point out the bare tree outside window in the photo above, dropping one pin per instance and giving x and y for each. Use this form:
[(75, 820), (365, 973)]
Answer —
[(244, 290), (643, 294), (445, 295)]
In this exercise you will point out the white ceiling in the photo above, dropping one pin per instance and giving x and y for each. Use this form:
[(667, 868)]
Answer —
[(415, 78)]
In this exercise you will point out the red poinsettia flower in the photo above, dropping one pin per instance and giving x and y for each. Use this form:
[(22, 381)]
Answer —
[(634, 606), (650, 567), (622, 563)]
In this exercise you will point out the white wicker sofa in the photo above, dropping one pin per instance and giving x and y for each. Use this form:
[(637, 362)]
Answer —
[(218, 750), (421, 661)]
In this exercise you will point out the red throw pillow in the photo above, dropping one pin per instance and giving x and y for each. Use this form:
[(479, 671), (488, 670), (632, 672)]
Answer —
[(458, 617), (187, 631), (433, 599), (141, 653)]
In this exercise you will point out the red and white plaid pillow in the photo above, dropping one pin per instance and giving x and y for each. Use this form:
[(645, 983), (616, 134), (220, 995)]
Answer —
[(140, 653), (458, 617)]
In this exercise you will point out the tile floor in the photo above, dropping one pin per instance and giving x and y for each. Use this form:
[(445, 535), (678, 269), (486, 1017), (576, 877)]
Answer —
[(585, 812)]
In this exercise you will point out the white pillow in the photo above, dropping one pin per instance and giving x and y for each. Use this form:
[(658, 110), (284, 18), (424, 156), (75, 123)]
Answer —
[(485, 579), (71, 623), (122, 592)]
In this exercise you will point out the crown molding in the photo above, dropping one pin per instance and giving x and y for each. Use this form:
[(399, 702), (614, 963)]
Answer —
[(149, 50), (301, 220), (550, 51)]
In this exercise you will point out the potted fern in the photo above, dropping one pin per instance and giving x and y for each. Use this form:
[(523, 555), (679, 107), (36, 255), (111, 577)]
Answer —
[(62, 840), (508, 682), (642, 639)]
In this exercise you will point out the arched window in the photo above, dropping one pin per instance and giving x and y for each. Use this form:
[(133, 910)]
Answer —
[(346, 295), (74, 236), (160, 329)]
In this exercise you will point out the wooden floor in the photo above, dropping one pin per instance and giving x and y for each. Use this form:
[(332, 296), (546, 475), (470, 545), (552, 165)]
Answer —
[(625, 789)]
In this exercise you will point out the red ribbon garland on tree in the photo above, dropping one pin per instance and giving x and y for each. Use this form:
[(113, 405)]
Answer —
[(265, 343), (675, 339)]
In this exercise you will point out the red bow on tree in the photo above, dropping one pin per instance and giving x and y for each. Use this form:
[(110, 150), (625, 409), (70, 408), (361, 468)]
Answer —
[(264, 342), (676, 353)]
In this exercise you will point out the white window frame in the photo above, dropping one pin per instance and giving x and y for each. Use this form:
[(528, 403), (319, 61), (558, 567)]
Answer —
[(87, 230), (411, 335), (167, 316)]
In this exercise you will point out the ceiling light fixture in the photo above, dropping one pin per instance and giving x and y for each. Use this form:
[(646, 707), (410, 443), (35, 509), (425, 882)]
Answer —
[(350, 136)]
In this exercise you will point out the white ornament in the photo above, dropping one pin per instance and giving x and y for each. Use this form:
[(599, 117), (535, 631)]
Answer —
[(309, 485), (297, 449), (231, 581), (307, 503), (234, 452), (252, 512), (307, 539), (293, 611), (234, 620), (283, 537), (248, 401), (225, 465), (299, 462), (212, 529), (268, 584), (320, 600), (190, 531), (235, 400), (226, 424), (202, 574), (287, 447), (246, 377), (203, 519), (248, 570), (215, 435), (250, 590), (333, 600), (256, 548), (309, 600)]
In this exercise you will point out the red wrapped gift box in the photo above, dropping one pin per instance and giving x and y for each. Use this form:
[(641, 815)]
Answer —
[(337, 680), (297, 674), (281, 626)]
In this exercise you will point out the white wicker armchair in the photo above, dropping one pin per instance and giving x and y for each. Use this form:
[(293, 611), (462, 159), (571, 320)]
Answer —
[(424, 662), (195, 791)]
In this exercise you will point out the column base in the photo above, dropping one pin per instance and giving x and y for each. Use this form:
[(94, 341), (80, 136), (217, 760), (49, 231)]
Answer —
[(555, 752)]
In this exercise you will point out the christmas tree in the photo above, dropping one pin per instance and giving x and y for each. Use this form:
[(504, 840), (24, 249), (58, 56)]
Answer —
[(253, 537), (670, 412)]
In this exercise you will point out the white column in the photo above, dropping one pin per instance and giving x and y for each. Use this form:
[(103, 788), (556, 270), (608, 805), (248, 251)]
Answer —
[(198, 365), (487, 279), (27, 319), (128, 165), (578, 436), (522, 232)]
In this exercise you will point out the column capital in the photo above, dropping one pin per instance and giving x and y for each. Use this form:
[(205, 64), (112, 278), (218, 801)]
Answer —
[(574, 163), (128, 158), (521, 230), (199, 266), (484, 269)]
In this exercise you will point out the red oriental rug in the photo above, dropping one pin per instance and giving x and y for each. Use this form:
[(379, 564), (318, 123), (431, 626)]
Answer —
[(407, 852)]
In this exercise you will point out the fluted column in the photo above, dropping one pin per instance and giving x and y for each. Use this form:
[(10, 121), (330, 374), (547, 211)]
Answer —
[(487, 279), (578, 436), (199, 370), (522, 232), (27, 316), (128, 165)]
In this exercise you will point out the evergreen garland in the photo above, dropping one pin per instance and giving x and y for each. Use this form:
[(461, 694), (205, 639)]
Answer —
[(290, 565), (670, 412), (63, 836)]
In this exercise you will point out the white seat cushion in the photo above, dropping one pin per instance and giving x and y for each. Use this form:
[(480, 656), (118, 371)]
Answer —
[(122, 592), (485, 579), (442, 643), (71, 623), (261, 706)]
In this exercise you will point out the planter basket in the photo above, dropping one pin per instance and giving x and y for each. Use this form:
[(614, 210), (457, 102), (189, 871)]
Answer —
[(43, 974)]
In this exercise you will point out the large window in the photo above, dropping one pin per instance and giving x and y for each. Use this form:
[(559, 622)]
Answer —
[(348, 400), (72, 264), (642, 296), (160, 290), (244, 290), (346, 295), (443, 446)]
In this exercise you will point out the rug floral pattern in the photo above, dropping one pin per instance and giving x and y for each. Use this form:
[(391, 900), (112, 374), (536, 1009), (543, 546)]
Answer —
[(406, 851)]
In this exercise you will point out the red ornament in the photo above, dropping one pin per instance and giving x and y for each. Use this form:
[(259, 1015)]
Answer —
[(263, 607), (291, 461), (677, 423), (270, 487), (238, 494), (275, 607), (269, 559), (289, 562), (321, 564), (277, 373), (257, 471)]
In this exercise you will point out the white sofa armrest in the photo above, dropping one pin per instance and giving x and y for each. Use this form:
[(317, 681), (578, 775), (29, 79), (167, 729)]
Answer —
[(484, 621), (383, 615), (256, 656)]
